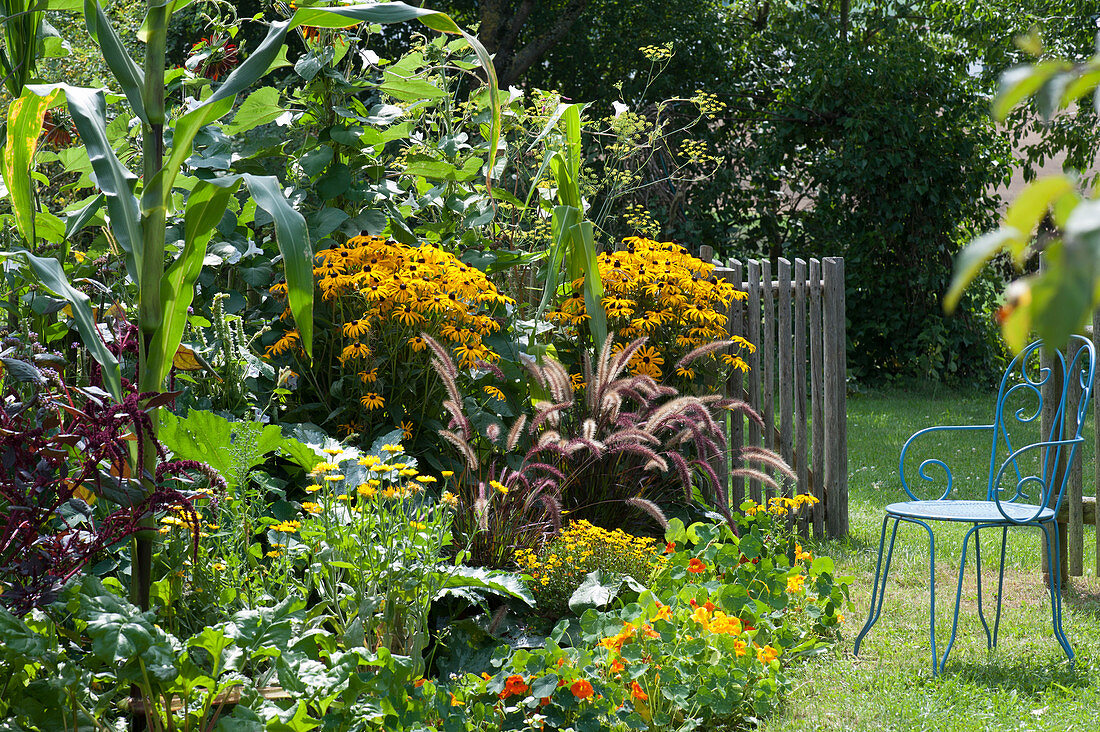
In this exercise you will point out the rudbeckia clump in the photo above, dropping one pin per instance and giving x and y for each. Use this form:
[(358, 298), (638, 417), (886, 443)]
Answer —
[(379, 297), (560, 568), (658, 291)]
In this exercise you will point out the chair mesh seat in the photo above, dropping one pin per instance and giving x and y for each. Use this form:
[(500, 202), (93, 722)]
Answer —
[(969, 511)]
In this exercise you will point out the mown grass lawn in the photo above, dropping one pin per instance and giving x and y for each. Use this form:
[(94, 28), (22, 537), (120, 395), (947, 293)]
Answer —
[(1025, 684)]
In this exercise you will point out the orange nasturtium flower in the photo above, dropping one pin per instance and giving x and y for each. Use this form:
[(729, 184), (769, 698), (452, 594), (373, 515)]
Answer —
[(696, 565), (582, 689), (766, 655), (637, 692), (514, 686)]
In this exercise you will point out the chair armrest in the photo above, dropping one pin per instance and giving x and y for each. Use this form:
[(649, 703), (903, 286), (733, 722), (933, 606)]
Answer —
[(933, 462), (1022, 483)]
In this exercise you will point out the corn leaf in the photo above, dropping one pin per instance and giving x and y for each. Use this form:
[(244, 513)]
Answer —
[(25, 116), (51, 274), (205, 207), (125, 69), (88, 108), (292, 236)]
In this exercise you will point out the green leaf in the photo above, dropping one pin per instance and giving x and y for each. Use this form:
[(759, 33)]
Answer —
[(971, 260), (599, 589), (25, 116), (1061, 296), (1019, 83), (409, 90), (51, 274), (1029, 208), (259, 108), (293, 239), (585, 245), (495, 582), (822, 565), (88, 108), (77, 220), (19, 639), (125, 69), (22, 371), (231, 448), (430, 168), (205, 207)]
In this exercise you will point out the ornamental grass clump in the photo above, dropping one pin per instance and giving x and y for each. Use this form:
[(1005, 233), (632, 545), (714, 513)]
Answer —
[(562, 565), (379, 298), (629, 441), (658, 291)]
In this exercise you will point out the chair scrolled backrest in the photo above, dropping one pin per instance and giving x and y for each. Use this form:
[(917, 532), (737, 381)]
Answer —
[(1029, 465)]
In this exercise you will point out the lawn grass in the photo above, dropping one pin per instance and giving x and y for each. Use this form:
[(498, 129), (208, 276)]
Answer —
[(1025, 684)]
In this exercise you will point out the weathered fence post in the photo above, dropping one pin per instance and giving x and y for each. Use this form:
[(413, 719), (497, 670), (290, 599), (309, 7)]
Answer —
[(836, 423)]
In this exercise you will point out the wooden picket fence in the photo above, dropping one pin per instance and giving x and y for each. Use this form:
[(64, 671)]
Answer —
[(796, 380)]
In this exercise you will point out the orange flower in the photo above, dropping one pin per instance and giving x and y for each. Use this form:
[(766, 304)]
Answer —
[(514, 686), (418, 683), (696, 566), (637, 692), (766, 655), (617, 666), (670, 547), (581, 689)]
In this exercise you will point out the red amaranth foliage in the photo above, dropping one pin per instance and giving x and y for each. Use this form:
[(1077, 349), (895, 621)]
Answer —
[(67, 494)]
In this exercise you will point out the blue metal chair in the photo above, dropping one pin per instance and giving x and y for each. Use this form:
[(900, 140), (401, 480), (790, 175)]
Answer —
[(1026, 482)]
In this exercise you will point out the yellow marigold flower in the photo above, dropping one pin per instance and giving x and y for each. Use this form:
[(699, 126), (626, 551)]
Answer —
[(366, 490), (274, 553), (766, 655), (408, 472), (313, 488), (447, 473), (426, 478), (335, 477), (391, 448), (450, 500), (331, 451), (372, 400), (311, 507), (343, 497), (323, 467), (287, 527), (368, 460), (498, 486)]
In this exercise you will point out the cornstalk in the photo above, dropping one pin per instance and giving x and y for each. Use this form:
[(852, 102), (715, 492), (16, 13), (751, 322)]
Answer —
[(151, 266)]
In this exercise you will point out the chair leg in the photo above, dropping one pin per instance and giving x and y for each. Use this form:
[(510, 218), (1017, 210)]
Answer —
[(875, 609), (1000, 585), (1055, 568), (958, 597), (978, 563)]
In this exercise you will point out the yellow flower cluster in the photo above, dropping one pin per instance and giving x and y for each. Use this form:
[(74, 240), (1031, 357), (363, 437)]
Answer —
[(781, 506), (384, 294), (660, 291), (560, 568)]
